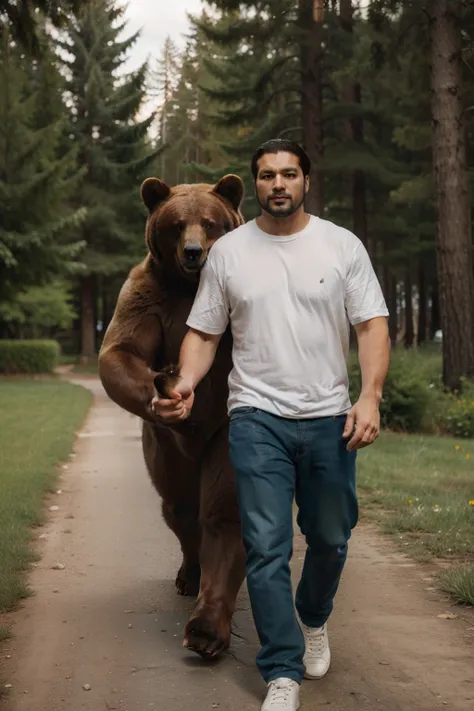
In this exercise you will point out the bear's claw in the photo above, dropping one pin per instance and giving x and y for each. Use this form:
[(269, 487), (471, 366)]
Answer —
[(166, 380), (203, 637)]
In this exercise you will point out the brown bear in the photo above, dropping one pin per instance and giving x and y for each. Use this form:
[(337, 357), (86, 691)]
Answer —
[(188, 462)]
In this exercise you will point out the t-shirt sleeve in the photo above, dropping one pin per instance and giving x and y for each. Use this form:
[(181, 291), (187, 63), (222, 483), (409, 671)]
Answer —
[(363, 294), (210, 310)]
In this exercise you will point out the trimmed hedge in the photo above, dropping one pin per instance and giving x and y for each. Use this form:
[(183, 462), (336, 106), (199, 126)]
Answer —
[(28, 356)]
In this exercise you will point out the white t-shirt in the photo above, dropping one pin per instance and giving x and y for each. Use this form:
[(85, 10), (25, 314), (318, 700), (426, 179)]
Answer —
[(288, 300)]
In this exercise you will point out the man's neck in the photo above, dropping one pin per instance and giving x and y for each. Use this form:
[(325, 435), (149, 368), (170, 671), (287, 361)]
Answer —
[(283, 226)]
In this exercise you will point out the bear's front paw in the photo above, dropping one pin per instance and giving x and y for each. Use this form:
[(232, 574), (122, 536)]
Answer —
[(188, 579), (166, 380)]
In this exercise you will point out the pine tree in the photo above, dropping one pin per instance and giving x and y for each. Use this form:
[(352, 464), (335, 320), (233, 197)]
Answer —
[(163, 85), (454, 239), (36, 182), (246, 84), (23, 20), (113, 146), (191, 138), (439, 23)]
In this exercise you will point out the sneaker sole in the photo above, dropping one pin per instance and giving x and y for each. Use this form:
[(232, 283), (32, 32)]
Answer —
[(307, 675), (312, 677), (297, 705)]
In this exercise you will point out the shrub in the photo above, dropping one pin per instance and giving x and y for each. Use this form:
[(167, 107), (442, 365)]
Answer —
[(405, 399), (24, 356), (414, 398), (458, 414)]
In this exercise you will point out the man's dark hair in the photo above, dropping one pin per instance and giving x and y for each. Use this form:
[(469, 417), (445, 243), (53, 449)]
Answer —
[(279, 145)]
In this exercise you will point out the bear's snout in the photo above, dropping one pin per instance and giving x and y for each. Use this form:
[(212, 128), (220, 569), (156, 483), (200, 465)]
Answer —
[(192, 254)]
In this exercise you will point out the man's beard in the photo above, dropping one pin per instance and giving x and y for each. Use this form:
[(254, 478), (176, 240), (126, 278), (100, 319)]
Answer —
[(276, 211)]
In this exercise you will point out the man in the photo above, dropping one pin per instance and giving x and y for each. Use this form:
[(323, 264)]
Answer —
[(288, 282)]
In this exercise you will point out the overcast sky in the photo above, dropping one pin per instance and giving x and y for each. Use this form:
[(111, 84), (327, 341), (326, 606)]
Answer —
[(157, 19)]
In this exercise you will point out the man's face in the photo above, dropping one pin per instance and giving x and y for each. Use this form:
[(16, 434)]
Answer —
[(280, 185)]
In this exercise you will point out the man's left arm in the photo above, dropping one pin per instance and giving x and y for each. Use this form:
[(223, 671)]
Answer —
[(367, 312), (363, 421)]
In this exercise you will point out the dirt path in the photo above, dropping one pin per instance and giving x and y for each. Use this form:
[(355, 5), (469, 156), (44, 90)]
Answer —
[(111, 619)]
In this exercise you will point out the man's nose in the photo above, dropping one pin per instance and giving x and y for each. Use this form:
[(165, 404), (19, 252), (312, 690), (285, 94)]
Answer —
[(279, 183)]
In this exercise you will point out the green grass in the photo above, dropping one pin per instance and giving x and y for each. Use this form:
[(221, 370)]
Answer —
[(38, 420), (459, 583), (91, 368), (420, 490)]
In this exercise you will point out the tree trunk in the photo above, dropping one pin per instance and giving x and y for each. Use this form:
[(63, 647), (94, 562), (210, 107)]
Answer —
[(390, 285), (87, 287), (311, 101), (422, 307), (453, 246), (106, 310), (409, 337), (352, 94)]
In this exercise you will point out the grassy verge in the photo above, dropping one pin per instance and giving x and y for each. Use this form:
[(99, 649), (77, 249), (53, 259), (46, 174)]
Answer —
[(421, 491), (78, 368), (38, 420)]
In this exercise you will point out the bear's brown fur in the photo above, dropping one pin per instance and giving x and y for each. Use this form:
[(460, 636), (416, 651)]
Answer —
[(188, 462)]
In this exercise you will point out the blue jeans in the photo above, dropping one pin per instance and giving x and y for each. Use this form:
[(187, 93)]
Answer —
[(276, 460)]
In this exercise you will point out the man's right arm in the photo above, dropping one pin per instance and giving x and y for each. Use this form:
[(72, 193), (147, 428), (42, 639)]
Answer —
[(207, 322), (196, 357)]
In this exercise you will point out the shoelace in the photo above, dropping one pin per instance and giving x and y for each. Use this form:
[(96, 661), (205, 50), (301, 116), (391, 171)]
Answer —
[(315, 643), (280, 693)]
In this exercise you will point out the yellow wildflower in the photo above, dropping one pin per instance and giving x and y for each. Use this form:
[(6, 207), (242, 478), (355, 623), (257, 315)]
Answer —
[(410, 501), (457, 448), (471, 502), (468, 456)]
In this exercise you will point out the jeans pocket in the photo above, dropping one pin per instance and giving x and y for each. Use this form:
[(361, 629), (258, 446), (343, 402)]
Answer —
[(240, 412)]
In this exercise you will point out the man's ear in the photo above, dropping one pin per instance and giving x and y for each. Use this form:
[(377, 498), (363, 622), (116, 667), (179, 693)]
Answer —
[(154, 191), (231, 188)]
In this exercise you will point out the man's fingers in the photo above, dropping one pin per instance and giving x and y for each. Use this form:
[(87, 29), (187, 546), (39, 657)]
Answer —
[(166, 402), (167, 408), (363, 436), (349, 426), (356, 438), (370, 435), (170, 410)]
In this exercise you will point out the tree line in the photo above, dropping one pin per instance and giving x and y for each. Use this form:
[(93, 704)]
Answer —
[(380, 94), (73, 152)]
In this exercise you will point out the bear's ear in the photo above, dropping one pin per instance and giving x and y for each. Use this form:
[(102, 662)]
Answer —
[(154, 191), (231, 188)]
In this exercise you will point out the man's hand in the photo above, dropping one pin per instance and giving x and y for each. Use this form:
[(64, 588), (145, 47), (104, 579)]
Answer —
[(363, 423), (177, 407), (175, 384)]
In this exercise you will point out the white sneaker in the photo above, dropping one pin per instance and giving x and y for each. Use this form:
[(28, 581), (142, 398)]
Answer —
[(283, 695), (317, 657)]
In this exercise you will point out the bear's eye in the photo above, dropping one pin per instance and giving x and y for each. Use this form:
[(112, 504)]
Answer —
[(208, 224), (176, 229)]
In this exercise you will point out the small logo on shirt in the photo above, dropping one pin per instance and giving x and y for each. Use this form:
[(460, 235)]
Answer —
[(321, 281)]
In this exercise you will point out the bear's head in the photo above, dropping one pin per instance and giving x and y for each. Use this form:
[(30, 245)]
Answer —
[(186, 220)]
